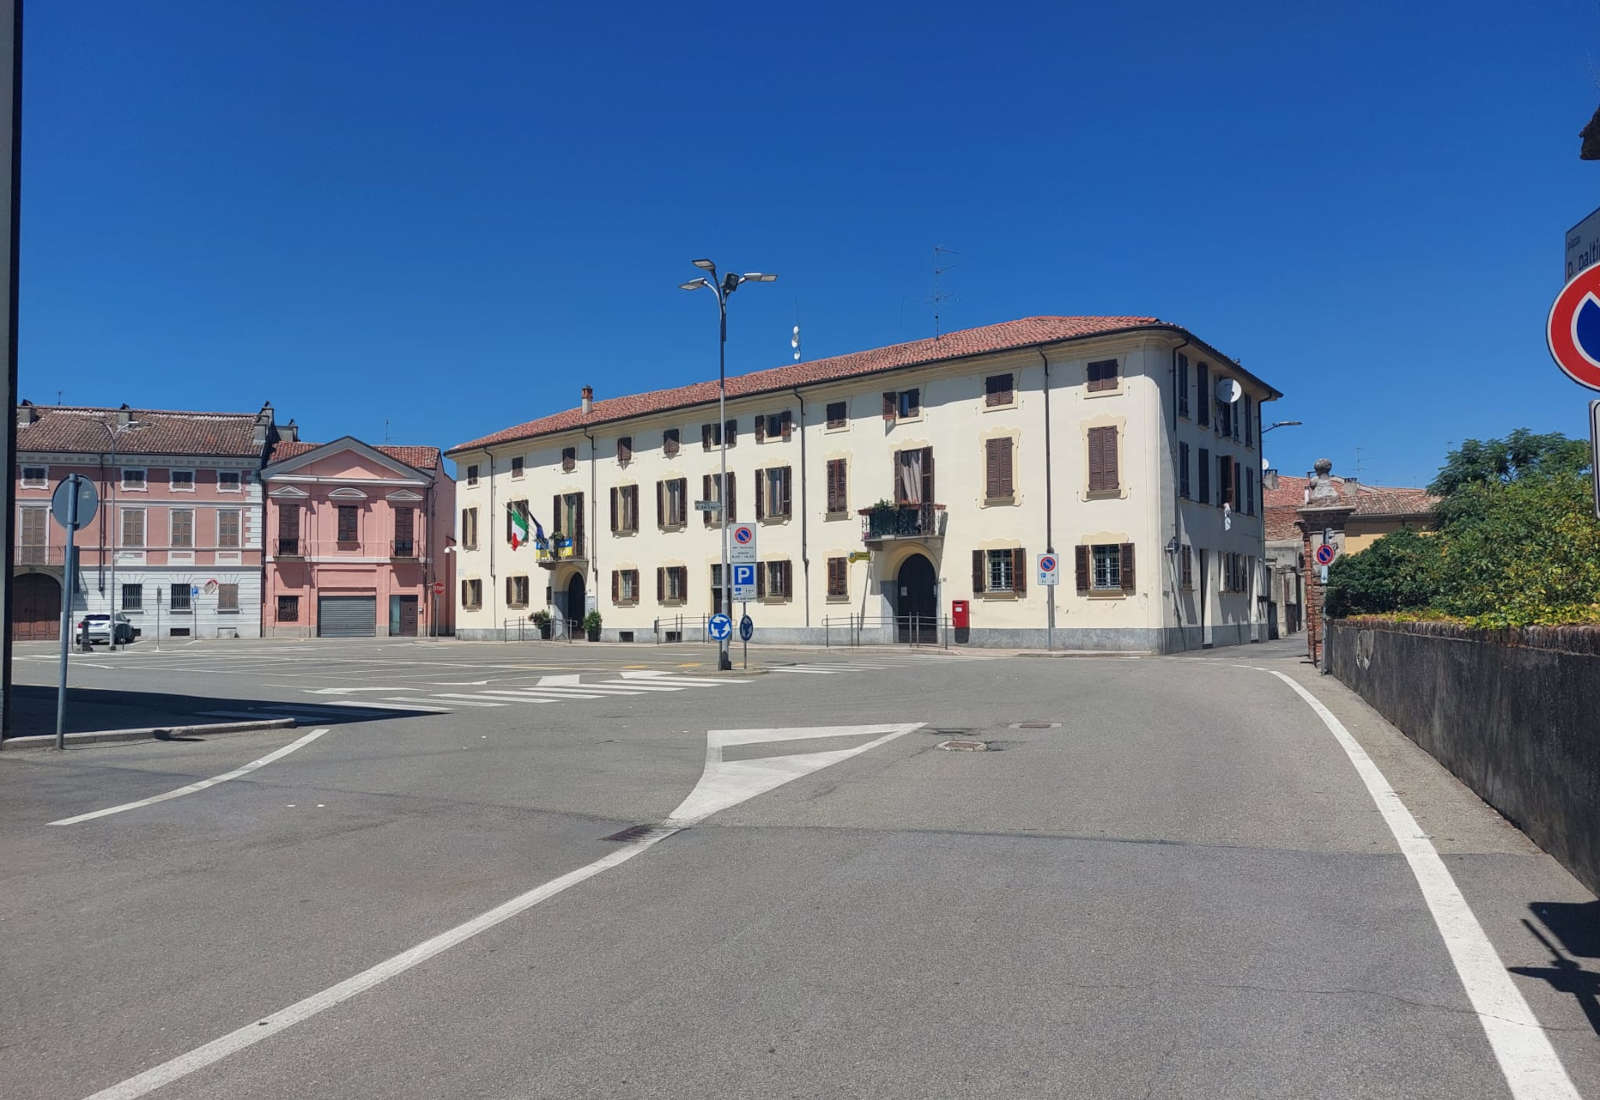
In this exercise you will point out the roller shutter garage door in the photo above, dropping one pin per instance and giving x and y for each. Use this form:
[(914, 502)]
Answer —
[(347, 616)]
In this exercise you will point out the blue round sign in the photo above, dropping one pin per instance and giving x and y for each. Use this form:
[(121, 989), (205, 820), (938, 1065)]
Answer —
[(1324, 554), (721, 627), (747, 627)]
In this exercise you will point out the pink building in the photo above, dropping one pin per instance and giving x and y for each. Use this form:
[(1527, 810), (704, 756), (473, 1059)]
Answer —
[(355, 541)]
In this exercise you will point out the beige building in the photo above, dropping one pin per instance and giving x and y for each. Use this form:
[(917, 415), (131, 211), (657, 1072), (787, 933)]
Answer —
[(888, 484)]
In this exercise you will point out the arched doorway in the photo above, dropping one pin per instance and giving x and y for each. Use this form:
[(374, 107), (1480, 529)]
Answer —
[(575, 603), (917, 601), (38, 608)]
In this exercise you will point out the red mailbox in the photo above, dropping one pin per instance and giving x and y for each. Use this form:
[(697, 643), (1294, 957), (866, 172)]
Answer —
[(960, 615)]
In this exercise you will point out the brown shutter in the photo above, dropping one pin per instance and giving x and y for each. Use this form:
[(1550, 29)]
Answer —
[(977, 573), (616, 586), (661, 584), (613, 515), (761, 580), (788, 578), (991, 469), (705, 494), (761, 427), (1080, 556), (730, 507), (787, 425), (1238, 500), (927, 476), (1127, 567), (1019, 571), (761, 495), (661, 507), (889, 405), (788, 482)]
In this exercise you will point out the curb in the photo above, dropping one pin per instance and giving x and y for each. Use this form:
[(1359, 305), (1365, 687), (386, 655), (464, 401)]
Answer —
[(146, 733)]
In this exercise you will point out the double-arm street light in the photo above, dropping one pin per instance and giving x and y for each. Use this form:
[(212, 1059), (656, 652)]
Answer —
[(722, 288)]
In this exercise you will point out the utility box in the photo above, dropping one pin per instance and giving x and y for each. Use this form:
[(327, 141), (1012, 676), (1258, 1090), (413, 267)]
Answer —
[(960, 614)]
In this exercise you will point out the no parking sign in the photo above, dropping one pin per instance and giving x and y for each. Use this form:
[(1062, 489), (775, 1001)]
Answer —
[(1049, 569)]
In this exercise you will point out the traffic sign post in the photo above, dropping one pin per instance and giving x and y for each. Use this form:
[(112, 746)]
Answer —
[(747, 627), (720, 627), (744, 581), (743, 546), (1049, 569), (74, 504)]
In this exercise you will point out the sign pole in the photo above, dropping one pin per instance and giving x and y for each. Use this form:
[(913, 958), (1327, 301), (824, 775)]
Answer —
[(66, 611), (158, 618), (1050, 621), (744, 612)]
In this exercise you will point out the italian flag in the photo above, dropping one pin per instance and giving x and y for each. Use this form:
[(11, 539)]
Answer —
[(519, 527)]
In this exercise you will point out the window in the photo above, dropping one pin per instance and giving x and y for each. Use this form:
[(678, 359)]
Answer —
[(288, 609), (711, 489), (778, 425), (405, 545), (624, 449), (1105, 567), (672, 503), (997, 479), (179, 594), (625, 509), (1183, 470), (35, 535), (228, 598), (772, 494), (181, 481), (1102, 375), (838, 414), (1183, 384), (1103, 460), (516, 508), (717, 606), (730, 432), (569, 459), (775, 580), (133, 481), (1247, 420), (288, 528), (1202, 394), (133, 528), (1225, 424), (472, 474), (1205, 476), (348, 529), (838, 486), (997, 390), (1225, 483), (35, 477), (471, 595), (228, 481), (228, 528), (469, 528), (516, 591), (182, 528), (1001, 572), (133, 597), (624, 587), (669, 442), (913, 477), (516, 468), (710, 436), (1186, 567), (902, 403), (672, 584), (838, 579)]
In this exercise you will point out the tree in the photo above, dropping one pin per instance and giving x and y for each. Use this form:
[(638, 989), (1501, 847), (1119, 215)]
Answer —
[(1402, 571), (1520, 454)]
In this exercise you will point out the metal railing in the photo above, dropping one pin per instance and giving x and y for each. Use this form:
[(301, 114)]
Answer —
[(905, 521), (912, 630), (524, 629), (683, 628), (404, 548)]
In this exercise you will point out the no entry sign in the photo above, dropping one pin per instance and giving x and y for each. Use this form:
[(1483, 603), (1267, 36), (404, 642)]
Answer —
[(1573, 328)]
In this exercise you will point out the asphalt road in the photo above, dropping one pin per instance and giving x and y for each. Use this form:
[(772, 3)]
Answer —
[(1165, 878)]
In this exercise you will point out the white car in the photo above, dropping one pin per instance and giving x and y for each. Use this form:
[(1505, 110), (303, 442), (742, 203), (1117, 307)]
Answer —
[(99, 627)]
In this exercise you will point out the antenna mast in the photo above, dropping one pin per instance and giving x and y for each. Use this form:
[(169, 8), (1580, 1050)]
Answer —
[(939, 296)]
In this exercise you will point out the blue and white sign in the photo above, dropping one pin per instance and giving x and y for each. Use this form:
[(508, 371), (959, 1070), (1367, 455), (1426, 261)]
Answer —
[(742, 546), (721, 627), (744, 580), (1049, 569), (747, 627)]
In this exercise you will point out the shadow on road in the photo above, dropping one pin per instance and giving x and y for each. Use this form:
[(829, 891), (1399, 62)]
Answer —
[(1577, 926)]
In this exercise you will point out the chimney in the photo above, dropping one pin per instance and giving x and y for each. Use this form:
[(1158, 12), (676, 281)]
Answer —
[(290, 432), (588, 399), (1351, 488), (1269, 478), (265, 427), (26, 413), (124, 415)]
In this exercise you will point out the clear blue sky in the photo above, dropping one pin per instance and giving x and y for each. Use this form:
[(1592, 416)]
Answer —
[(454, 215)]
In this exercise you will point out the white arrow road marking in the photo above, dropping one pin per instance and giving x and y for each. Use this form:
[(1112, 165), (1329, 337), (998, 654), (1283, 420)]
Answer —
[(266, 1026), (200, 786), (450, 684), (674, 678), (553, 693)]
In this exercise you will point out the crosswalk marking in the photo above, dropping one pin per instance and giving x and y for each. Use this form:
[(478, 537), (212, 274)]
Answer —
[(457, 700)]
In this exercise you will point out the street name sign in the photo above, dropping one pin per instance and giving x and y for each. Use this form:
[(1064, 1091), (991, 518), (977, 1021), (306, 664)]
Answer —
[(859, 555), (1583, 245), (708, 506), (1572, 330), (721, 627), (1049, 569), (742, 543), (744, 580)]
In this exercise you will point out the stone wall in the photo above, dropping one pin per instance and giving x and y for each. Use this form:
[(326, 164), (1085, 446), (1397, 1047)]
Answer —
[(1515, 715)]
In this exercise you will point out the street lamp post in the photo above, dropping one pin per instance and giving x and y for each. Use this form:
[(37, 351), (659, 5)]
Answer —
[(1282, 424), (726, 286), (113, 479)]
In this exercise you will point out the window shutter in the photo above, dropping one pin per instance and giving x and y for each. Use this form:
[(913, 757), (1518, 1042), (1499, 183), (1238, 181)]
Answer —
[(788, 426), (1204, 466), (661, 507), (761, 428), (1238, 500), (991, 469), (1019, 571), (1005, 452), (977, 573), (1127, 567), (1080, 556), (705, 494), (730, 509), (788, 476), (788, 577), (761, 581), (927, 476), (613, 513), (1102, 459), (661, 584), (890, 405), (616, 585), (762, 477)]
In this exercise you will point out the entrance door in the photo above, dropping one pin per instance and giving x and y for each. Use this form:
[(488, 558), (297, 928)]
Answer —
[(38, 614), (575, 603), (916, 601), (402, 616)]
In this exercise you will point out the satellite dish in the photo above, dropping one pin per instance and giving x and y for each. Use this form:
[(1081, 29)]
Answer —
[(1228, 391)]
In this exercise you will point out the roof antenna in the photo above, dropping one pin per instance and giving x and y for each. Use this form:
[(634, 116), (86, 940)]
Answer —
[(939, 296), (794, 341), (386, 429)]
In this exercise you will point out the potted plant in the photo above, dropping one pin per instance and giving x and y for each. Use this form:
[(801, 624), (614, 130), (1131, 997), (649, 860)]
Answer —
[(541, 619), (591, 626)]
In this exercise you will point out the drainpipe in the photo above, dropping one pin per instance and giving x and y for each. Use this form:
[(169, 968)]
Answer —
[(494, 581), (1177, 542), (594, 523), (1049, 510), (805, 548)]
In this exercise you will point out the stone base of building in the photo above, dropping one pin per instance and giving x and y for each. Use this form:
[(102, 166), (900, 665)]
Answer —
[(1088, 639)]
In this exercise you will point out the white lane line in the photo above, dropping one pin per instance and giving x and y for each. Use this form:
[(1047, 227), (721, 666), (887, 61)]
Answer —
[(463, 700), (200, 786), (353, 704), (810, 671), (637, 685), (257, 1030), (671, 678), (1530, 1064), (555, 693), (519, 697)]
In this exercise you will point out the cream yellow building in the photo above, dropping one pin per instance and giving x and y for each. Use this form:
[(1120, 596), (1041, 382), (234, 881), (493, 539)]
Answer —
[(888, 484)]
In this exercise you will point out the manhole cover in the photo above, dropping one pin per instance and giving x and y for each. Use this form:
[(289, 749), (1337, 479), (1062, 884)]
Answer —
[(951, 731), (964, 744), (1035, 725)]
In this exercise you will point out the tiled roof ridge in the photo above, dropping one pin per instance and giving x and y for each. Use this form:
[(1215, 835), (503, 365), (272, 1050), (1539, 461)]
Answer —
[(108, 410), (1010, 335)]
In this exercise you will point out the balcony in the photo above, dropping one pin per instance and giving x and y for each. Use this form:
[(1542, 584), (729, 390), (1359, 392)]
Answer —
[(43, 555), (404, 550), (901, 521), (556, 549), (289, 547)]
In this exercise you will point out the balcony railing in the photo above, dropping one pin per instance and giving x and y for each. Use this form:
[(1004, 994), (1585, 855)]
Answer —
[(404, 548), (41, 555), (558, 548), (289, 547), (903, 521)]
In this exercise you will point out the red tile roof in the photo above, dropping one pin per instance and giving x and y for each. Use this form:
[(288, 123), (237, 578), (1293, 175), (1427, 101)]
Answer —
[(1010, 335), (1281, 505), (79, 430), (417, 457)]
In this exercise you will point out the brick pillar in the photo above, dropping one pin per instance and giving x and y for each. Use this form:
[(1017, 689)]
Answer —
[(1322, 519)]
